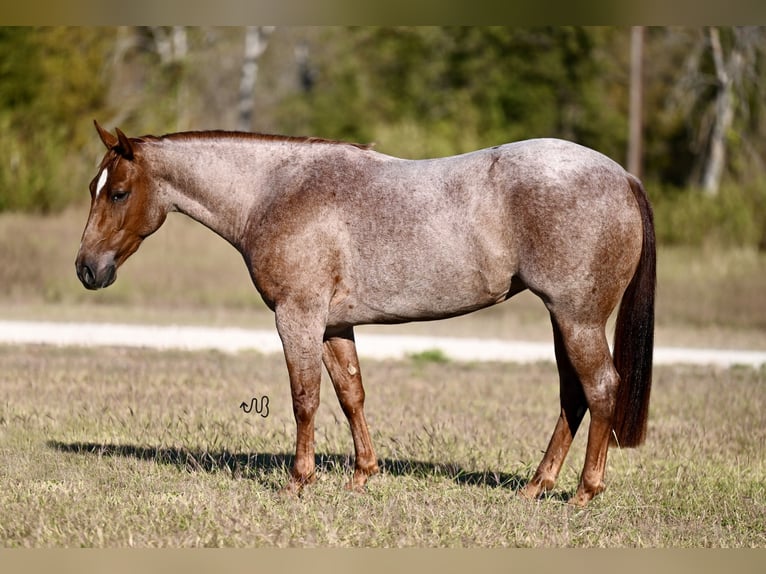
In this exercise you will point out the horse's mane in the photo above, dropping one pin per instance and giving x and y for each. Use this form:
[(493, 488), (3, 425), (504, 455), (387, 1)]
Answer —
[(223, 134)]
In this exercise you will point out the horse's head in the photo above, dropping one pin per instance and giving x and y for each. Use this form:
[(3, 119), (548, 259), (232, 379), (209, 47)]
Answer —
[(124, 209)]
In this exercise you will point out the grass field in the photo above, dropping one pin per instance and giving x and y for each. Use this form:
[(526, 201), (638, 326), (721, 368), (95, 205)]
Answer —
[(141, 448), (119, 447)]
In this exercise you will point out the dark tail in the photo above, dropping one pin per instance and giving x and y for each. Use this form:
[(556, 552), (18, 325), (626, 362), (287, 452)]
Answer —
[(634, 336)]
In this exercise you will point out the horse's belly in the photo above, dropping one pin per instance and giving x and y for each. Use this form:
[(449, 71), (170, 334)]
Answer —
[(440, 266), (417, 296)]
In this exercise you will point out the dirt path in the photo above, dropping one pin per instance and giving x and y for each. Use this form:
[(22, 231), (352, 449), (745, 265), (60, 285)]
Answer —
[(369, 345)]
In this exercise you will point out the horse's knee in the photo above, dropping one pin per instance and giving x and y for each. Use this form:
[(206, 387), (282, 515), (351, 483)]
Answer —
[(305, 399), (304, 410), (351, 399)]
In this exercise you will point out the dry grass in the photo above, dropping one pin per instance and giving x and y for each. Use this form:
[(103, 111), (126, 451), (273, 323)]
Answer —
[(182, 265), (713, 287), (140, 448), (115, 447)]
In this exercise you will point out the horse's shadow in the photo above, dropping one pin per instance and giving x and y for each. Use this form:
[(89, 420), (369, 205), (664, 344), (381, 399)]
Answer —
[(260, 464)]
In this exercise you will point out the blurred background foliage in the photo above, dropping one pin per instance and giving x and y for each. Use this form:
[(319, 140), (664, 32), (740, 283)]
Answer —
[(414, 91)]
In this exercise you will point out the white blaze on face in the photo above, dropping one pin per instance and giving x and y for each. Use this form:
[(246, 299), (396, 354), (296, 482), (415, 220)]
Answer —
[(101, 181)]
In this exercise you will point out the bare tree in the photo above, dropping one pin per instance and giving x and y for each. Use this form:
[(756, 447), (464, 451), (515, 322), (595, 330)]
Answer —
[(256, 42), (728, 71), (719, 88), (180, 44), (737, 79), (171, 45)]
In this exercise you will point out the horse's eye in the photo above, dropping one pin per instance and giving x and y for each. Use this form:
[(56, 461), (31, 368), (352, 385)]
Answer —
[(120, 196)]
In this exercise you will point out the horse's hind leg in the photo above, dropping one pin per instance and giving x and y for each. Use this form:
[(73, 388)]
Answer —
[(342, 363), (589, 355), (573, 406)]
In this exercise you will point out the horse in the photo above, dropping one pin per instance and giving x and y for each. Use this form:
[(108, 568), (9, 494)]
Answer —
[(336, 235)]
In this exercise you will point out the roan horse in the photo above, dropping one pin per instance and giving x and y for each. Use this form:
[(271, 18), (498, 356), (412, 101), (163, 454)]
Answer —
[(336, 235)]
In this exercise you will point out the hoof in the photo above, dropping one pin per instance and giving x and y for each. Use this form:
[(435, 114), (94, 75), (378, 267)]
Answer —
[(584, 495), (290, 490), (358, 482), (530, 492), (580, 500), (295, 485), (352, 486), (536, 488)]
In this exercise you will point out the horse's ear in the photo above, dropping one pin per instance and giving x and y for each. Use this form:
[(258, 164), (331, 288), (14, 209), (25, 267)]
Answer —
[(125, 148), (109, 140)]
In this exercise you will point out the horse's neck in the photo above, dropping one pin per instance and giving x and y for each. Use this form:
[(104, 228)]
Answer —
[(210, 185)]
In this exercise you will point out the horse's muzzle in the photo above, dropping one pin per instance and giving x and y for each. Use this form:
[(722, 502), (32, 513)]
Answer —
[(93, 277)]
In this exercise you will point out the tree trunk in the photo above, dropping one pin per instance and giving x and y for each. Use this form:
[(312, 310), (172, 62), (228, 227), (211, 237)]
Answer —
[(256, 41), (726, 73), (170, 47), (180, 44)]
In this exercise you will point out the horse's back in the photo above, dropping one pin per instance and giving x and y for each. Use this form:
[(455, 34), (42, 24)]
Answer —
[(425, 239), (434, 238)]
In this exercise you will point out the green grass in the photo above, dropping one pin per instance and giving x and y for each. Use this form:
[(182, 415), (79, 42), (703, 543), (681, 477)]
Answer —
[(126, 447), (429, 356)]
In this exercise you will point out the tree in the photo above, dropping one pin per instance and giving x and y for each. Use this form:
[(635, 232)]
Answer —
[(49, 79), (171, 45), (424, 91), (729, 75), (718, 95), (256, 42)]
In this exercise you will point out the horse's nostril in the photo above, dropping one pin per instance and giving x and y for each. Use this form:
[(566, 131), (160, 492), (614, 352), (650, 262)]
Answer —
[(94, 277), (87, 278)]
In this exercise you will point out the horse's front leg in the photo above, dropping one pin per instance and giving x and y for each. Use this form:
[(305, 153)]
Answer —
[(301, 335), (342, 363)]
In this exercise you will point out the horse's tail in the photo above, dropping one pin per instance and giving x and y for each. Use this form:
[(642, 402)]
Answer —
[(634, 336)]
